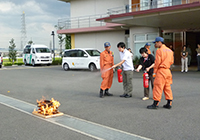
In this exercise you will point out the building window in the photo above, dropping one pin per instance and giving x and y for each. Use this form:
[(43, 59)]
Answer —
[(144, 4), (137, 48), (176, 2), (151, 36), (139, 37), (141, 40), (127, 41)]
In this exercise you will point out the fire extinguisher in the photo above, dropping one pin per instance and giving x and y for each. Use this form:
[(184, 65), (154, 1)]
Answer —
[(145, 79), (119, 74)]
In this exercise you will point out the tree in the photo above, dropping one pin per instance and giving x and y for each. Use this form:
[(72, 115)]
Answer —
[(67, 39), (60, 40), (12, 52), (30, 42), (68, 42)]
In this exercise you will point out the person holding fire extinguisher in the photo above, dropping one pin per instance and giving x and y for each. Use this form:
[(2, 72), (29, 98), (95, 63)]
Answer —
[(106, 63), (127, 64), (146, 64), (163, 79)]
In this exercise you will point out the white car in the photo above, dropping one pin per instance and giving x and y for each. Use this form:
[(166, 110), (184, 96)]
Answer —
[(1, 60), (81, 58), (37, 54)]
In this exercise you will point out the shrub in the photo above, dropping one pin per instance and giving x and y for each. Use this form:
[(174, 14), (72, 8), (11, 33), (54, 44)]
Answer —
[(7, 64), (19, 63), (136, 61), (57, 62)]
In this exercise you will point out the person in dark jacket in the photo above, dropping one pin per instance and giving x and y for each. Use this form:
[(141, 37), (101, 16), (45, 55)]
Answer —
[(146, 64)]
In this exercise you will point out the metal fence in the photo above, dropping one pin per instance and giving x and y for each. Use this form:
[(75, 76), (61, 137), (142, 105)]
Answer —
[(81, 22), (146, 5), (90, 21)]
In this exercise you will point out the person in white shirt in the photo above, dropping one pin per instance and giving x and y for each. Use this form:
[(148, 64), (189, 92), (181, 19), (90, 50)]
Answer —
[(127, 64)]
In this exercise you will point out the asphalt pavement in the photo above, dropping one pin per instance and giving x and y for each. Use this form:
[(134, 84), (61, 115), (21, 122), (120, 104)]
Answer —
[(78, 93)]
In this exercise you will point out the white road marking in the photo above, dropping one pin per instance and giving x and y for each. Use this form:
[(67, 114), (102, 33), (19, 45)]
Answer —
[(90, 129)]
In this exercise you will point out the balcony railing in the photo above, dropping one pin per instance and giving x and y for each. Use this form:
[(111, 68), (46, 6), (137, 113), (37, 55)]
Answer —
[(90, 21), (81, 22), (146, 5)]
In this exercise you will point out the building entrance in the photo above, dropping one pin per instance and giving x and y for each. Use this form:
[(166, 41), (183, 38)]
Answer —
[(178, 39), (192, 39)]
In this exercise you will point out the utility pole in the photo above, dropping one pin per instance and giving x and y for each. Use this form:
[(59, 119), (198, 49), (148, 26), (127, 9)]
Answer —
[(53, 45), (23, 31)]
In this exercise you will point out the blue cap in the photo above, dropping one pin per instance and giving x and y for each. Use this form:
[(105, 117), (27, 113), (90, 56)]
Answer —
[(107, 44), (159, 39), (147, 44)]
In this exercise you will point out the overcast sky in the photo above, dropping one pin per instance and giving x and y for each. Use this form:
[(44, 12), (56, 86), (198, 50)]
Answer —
[(40, 17)]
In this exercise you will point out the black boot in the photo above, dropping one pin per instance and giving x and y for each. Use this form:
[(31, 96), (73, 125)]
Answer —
[(101, 93), (168, 105), (107, 93), (154, 105)]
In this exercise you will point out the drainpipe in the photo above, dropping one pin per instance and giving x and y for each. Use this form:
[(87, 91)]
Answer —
[(130, 5)]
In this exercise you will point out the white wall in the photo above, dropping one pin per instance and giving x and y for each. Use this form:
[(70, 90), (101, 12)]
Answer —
[(93, 7), (142, 30), (97, 40)]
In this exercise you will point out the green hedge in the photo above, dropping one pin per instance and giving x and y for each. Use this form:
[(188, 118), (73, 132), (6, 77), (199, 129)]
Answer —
[(7, 64), (57, 62), (18, 63)]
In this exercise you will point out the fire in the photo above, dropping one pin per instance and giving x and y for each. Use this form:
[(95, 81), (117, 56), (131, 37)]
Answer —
[(47, 107)]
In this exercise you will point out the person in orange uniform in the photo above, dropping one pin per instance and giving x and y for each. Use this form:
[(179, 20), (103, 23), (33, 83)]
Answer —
[(106, 63), (147, 46), (163, 79)]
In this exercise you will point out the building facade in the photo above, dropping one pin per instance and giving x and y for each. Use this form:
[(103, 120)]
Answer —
[(134, 22)]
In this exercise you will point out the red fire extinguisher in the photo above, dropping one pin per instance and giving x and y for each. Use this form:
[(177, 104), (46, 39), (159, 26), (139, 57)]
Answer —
[(119, 74), (145, 80)]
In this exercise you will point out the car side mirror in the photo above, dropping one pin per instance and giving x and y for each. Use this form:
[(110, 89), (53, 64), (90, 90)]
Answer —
[(85, 55)]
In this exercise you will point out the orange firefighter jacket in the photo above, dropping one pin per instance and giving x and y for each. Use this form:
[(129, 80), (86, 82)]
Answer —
[(163, 80), (148, 50), (106, 62), (164, 58)]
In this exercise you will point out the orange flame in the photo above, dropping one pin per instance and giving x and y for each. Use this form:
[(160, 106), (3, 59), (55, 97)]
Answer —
[(48, 107)]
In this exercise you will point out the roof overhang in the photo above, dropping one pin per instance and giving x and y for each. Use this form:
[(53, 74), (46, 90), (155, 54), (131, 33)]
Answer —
[(65, 0), (185, 16), (107, 27)]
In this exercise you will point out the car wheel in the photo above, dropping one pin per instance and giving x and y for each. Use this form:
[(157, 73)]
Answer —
[(33, 63), (92, 67), (66, 66), (0, 66), (25, 63)]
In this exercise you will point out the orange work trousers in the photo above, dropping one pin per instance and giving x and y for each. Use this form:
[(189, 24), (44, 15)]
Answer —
[(162, 83), (107, 77)]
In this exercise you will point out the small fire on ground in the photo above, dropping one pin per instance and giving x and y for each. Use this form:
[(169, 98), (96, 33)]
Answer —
[(47, 108)]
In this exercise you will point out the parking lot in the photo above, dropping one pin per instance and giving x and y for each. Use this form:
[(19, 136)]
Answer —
[(86, 115)]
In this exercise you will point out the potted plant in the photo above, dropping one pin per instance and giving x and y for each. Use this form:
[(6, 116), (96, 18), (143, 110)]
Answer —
[(136, 61)]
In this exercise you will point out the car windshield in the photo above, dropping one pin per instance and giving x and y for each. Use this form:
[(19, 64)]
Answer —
[(93, 52), (27, 49), (42, 50)]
